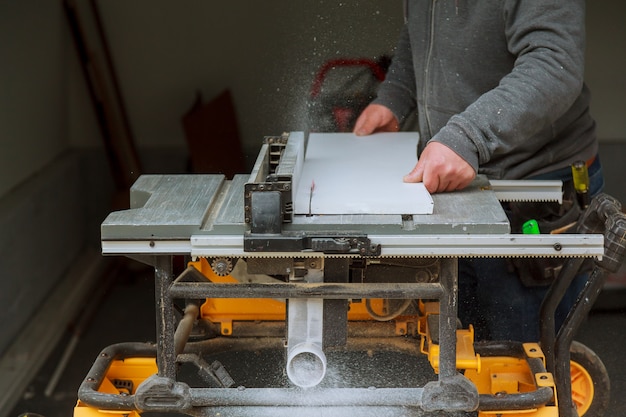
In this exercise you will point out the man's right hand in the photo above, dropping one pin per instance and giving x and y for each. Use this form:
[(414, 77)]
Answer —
[(441, 169), (375, 118)]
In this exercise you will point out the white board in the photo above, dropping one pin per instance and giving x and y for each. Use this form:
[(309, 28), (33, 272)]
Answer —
[(353, 174)]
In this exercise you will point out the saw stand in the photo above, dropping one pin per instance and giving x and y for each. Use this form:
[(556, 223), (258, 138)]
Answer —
[(251, 217)]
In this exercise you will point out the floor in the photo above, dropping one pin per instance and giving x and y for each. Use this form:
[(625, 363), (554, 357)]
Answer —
[(127, 313)]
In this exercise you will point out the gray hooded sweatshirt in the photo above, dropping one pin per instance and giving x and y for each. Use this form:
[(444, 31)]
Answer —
[(498, 81)]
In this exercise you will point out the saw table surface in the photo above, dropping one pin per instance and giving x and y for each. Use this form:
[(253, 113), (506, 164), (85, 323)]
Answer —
[(254, 214), (181, 206)]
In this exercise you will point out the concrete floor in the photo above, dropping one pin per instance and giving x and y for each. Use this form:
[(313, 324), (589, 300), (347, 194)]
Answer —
[(127, 314)]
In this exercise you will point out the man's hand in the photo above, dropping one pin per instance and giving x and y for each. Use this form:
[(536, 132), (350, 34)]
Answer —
[(375, 118), (441, 169)]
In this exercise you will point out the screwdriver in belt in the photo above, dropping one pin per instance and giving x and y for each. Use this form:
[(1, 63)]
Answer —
[(580, 176)]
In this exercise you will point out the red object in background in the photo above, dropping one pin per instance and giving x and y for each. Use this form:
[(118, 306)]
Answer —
[(213, 136), (334, 107), (378, 70)]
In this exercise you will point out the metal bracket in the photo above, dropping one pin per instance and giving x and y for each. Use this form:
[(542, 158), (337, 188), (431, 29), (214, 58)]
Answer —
[(354, 244), (528, 190)]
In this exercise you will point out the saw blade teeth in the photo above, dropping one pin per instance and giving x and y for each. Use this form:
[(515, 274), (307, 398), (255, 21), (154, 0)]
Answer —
[(526, 199)]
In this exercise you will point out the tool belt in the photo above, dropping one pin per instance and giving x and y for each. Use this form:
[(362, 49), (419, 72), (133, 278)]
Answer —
[(551, 218)]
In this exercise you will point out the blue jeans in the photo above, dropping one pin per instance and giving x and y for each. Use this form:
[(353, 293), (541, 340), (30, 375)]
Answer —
[(494, 300)]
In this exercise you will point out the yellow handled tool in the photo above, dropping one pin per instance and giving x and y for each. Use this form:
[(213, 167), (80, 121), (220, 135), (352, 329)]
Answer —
[(580, 175)]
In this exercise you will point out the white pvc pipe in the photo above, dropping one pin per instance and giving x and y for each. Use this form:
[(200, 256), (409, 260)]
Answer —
[(306, 365), (306, 362)]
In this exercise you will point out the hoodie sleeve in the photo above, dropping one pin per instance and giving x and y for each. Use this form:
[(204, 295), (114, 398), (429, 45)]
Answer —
[(397, 91), (547, 38)]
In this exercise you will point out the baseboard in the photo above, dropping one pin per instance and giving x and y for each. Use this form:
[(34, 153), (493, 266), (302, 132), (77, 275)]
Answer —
[(29, 350)]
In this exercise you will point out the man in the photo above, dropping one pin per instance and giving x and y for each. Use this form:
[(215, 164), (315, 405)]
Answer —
[(498, 88)]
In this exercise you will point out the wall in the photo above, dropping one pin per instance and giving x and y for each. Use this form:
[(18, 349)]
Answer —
[(43, 224), (606, 67), (42, 220), (33, 85)]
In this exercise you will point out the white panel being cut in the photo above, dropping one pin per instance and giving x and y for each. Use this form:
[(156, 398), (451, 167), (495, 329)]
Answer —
[(353, 174)]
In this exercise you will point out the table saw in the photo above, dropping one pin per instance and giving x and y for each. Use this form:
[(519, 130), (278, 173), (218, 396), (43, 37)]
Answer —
[(304, 261)]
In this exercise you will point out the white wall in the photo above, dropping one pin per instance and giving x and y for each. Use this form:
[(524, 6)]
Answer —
[(33, 85), (606, 66)]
